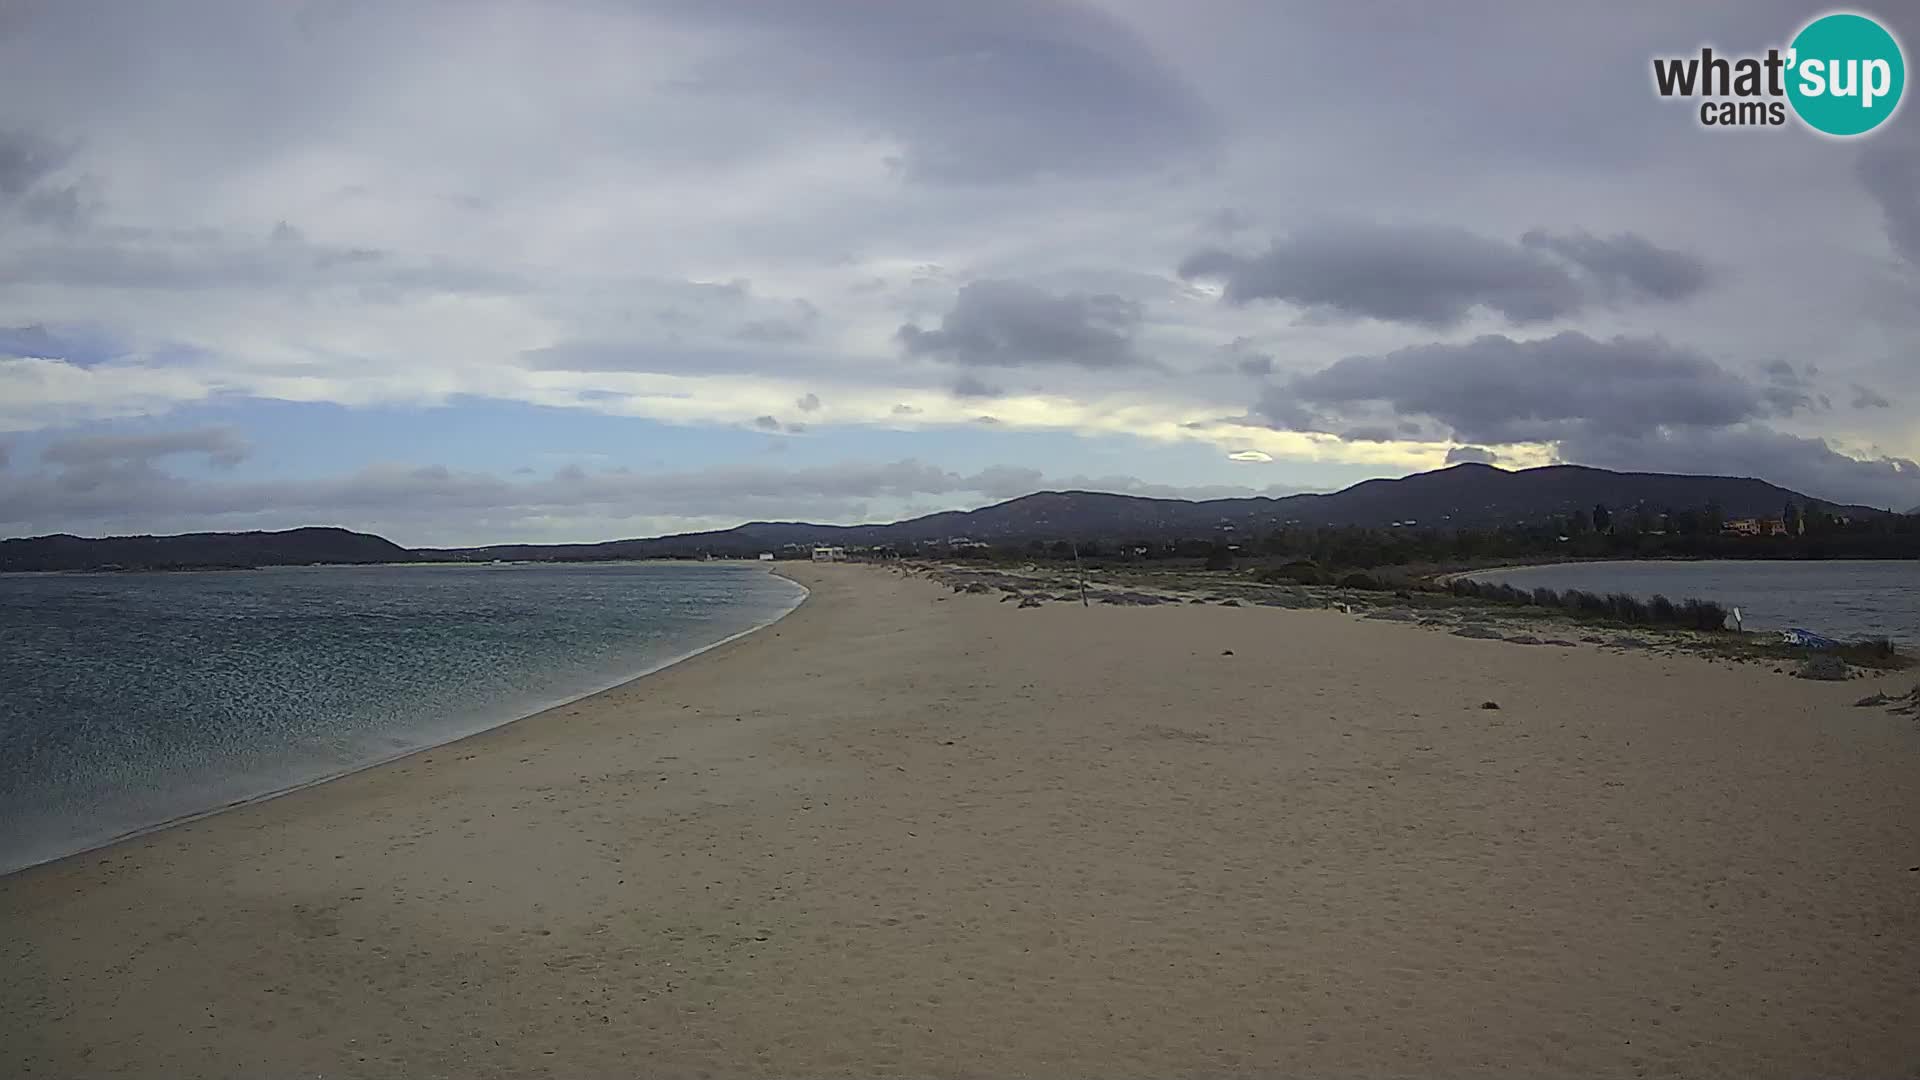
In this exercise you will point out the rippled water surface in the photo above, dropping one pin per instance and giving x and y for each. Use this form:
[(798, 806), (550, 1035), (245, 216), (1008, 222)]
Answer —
[(127, 700), (1838, 598)]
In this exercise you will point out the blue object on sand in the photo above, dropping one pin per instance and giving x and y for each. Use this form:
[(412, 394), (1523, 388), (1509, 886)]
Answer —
[(1794, 635)]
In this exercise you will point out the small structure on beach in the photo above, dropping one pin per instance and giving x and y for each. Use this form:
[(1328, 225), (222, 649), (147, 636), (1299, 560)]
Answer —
[(766, 556), (823, 553)]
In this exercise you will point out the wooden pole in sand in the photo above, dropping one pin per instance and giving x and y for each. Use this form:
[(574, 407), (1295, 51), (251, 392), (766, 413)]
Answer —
[(1077, 569)]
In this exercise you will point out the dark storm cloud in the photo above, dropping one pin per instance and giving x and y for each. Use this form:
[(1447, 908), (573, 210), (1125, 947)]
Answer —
[(997, 323), (1426, 275), (1889, 168), (991, 91), (1476, 454), (1496, 389), (1809, 466), (221, 446), (1626, 265)]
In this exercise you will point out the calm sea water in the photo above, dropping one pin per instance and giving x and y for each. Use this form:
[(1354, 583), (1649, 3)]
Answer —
[(1838, 598), (127, 700)]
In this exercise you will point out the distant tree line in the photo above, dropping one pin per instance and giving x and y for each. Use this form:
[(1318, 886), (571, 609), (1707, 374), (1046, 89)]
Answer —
[(1600, 532)]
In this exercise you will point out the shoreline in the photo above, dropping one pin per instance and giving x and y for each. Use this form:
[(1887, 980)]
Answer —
[(1448, 576), (531, 713), (908, 831)]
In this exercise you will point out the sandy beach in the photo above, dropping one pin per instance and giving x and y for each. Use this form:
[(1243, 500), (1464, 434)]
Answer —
[(908, 832)]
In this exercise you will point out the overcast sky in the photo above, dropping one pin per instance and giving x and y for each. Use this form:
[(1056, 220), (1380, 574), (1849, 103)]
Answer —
[(565, 271)]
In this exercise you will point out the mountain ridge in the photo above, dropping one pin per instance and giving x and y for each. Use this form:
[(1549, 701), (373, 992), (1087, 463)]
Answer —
[(1467, 495)]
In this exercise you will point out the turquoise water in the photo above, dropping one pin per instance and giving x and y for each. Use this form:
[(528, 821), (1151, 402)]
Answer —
[(1841, 598), (127, 700)]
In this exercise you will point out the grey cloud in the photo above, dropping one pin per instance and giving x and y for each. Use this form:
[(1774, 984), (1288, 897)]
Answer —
[(1436, 276), (903, 409), (996, 323), (27, 161), (798, 325), (657, 358), (1240, 356), (1369, 433), (1281, 409), (642, 357), (1477, 454), (32, 341), (6, 452), (1788, 391), (1889, 169), (1807, 465), (1228, 221), (774, 424), (1626, 265), (1785, 401), (970, 387), (1497, 389), (988, 92), (808, 403), (1867, 398), (286, 260), (771, 331), (222, 446), (1432, 276)]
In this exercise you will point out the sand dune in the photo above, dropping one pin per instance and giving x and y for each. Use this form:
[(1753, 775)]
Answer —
[(908, 832)]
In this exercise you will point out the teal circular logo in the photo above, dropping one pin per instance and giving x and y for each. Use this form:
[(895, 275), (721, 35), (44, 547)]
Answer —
[(1845, 74)]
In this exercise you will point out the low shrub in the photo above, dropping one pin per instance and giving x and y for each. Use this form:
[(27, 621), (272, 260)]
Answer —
[(1627, 608), (1703, 615), (1614, 607)]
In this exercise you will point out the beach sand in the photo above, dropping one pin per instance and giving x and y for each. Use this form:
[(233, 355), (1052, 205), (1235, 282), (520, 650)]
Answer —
[(906, 832)]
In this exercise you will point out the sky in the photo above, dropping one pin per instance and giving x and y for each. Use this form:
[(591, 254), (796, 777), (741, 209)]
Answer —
[(474, 272)]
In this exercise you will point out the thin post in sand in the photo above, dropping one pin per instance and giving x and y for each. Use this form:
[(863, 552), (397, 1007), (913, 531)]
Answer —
[(1079, 570)]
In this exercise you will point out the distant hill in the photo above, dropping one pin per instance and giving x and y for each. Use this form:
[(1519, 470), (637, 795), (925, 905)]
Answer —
[(292, 547), (1462, 496)]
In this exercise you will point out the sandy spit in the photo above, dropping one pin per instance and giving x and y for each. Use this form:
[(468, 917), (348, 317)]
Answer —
[(906, 832)]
